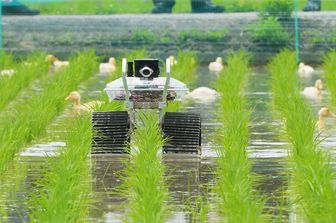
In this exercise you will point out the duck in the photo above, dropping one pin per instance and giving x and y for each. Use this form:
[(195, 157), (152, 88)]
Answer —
[(172, 60), (78, 108), (313, 92), (203, 95), (108, 68), (322, 115), (305, 70), (216, 66), (8, 72), (57, 64)]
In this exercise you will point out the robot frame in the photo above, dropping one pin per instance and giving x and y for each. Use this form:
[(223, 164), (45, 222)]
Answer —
[(141, 87)]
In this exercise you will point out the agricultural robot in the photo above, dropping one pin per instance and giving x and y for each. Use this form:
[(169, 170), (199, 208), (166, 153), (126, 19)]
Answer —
[(141, 87)]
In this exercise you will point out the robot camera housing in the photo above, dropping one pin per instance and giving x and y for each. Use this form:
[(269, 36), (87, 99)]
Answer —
[(147, 68)]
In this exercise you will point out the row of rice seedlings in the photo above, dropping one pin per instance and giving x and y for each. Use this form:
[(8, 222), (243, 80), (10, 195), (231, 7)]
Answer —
[(237, 200), (28, 120), (7, 61), (313, 190), (329, 67), (144, 184), (24, 73), (64, 190), (185, 69)]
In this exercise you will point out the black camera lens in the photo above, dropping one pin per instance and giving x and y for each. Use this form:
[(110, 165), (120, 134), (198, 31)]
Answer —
[(147, 68)]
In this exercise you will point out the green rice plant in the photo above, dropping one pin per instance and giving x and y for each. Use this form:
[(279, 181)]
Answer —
[(144, 185), (313, 190), (65, 189), (185, 69), (28, 120), (7, 61), (28, 70), (329, 67), (236, 201)]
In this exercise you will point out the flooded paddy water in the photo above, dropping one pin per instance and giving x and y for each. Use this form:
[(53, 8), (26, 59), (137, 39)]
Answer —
[(188, 176)]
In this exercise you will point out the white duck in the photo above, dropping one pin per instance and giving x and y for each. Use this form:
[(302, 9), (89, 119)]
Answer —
[(78, 108), (313, 92), (323, 114), (8, 72), (107, 68), (172, 60), (305, 70), (216, 66), (57, 64), (203, 95)]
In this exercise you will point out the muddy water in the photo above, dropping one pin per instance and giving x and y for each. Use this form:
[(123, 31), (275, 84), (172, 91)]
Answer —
[(189, 176)]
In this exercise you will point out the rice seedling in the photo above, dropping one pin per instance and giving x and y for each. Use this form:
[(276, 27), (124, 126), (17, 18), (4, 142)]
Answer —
[(329, 67), (237, 201), (185, 69), (25, 72), (28, 120), (313, 189), (64, 196), (144, 185)]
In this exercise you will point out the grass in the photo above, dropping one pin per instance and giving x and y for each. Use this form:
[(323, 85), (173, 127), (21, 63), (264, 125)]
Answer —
[(236, 199), (28, 120), (185, 69), (313, 189), (144, 185), (65, 189), (145, 6), (329, 67), (25, 72)]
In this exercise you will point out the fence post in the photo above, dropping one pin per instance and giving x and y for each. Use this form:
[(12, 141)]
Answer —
[(296, 27)]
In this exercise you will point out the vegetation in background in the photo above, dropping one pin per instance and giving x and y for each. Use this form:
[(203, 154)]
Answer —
[(28, 120), (144, 184), (269, 31), (200, 35), (329, 67), (28, 70), (143, 36), (65, 189), (236, 199), (312, 188), (279, 9)]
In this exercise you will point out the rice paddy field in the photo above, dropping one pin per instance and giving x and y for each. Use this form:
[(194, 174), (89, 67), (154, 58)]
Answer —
[(268, 152)]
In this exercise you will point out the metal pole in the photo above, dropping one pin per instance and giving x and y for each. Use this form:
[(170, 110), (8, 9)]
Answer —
[(0, 27), (296, 27)]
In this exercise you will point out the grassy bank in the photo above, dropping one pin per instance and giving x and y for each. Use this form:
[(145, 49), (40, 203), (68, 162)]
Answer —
[(237, 201), (28, 70), (145, 184), (65, 189), (145, 6), (28, 120), (312, 186)]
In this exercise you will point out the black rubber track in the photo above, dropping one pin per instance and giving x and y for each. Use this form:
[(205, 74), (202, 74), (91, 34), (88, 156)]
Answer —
[(110, 132), (183, 131)]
